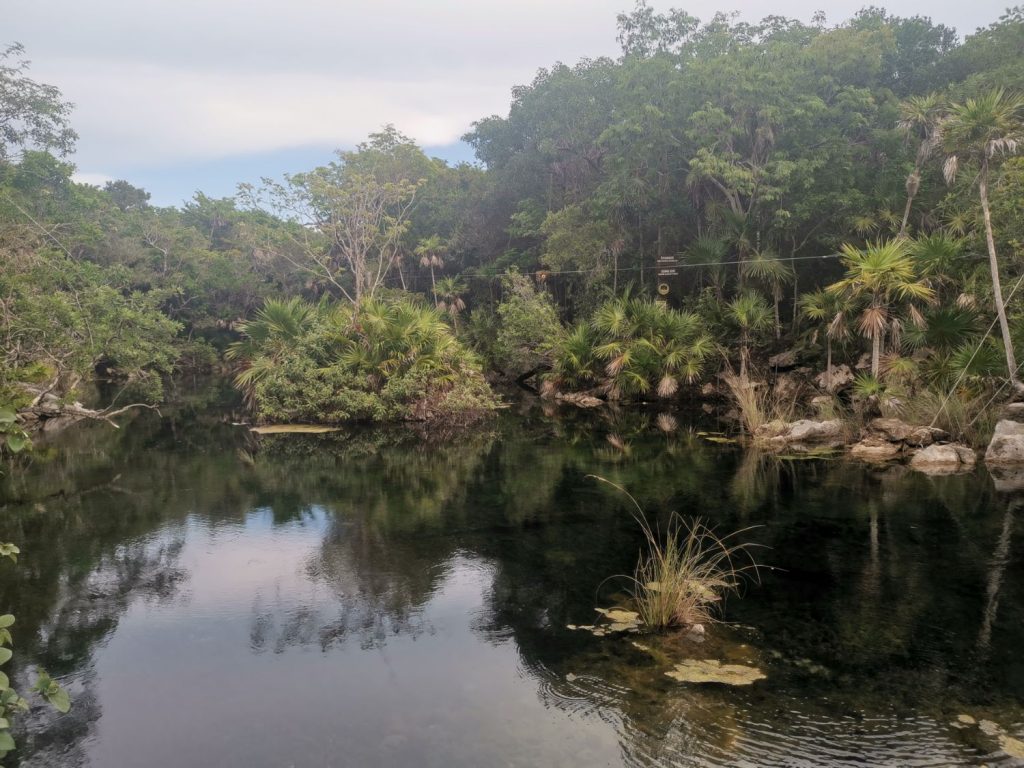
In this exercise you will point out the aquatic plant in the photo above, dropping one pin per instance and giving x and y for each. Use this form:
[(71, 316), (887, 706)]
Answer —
[(683, 577)]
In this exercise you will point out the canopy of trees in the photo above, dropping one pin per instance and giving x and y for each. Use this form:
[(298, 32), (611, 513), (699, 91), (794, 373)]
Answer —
[(843, 189)]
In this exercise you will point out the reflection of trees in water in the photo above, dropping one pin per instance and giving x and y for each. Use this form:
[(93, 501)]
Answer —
[(884, 569)]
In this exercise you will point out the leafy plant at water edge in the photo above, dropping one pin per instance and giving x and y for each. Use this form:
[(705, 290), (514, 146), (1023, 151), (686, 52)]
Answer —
[(11, 702)]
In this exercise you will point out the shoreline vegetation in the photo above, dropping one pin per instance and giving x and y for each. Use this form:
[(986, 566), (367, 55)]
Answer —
[(813, 229)]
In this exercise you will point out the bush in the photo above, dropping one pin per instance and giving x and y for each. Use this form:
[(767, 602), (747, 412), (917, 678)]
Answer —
[(528, 328), (381, 361)]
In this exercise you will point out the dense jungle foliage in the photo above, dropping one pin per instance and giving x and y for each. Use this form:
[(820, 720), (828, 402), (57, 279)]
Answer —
[(829, 191)]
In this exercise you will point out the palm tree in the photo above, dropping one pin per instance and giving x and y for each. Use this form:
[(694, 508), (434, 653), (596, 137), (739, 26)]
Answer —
[(431, 252), (708, 253), (978, 132), (831, 309), (881, 275), (920, 118), (274, 331), (773, 273), (751, 314), (448, 298)]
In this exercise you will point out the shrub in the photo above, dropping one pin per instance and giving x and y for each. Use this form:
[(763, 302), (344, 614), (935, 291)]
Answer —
[(379, 361)]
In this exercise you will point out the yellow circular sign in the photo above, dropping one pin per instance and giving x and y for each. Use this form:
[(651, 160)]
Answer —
[(663, 289)]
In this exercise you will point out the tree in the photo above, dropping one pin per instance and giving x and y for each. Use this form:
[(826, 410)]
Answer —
[(979, 132), (349, 217), (750, 313), (829, 308), (881, 276), (126, 196), (773, 273), (431, 252), (31, 114), (920, 118), (448, 298)]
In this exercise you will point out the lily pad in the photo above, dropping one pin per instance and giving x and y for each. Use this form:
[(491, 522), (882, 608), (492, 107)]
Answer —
[(281, 429), (714, 671), (619, 616)]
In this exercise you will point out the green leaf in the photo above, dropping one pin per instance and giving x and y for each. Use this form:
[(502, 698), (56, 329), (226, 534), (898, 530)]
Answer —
[(5, 682), (6, 741), (59, 699), (5, 655), (16, 443), (7, 416), (6, 620)]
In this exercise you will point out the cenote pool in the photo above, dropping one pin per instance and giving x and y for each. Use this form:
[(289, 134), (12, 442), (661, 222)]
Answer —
[(373, 598)]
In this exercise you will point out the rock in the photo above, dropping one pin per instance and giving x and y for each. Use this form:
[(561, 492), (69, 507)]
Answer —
[(1014, 412), (807, 431), (803, 435), (1007, 445), (785, 359), (579, 399), (714, 671), (771, 429), (1007, 479), (966, 719), (835, 378), (898, 431), (1011, 746), (875, 449), (943, 459), (787, 386), (893, 430), (864, 362)]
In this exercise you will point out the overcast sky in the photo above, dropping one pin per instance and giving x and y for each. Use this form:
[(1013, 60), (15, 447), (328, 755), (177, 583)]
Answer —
[(180, 95)]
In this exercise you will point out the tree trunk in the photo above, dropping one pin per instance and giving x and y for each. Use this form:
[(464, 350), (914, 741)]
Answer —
[(433, 285), (912, 184), (777, 297), (828, 361), (876, 353), (997, 291)]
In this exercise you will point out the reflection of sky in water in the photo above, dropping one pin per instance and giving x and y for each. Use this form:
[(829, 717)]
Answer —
[(404, 604), (180, 683)]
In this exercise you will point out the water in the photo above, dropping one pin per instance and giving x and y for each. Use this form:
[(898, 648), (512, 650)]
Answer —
[(373, 599)]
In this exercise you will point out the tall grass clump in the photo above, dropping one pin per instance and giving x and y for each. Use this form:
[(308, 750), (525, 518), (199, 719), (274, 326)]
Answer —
[(757, 402), (682, 578)]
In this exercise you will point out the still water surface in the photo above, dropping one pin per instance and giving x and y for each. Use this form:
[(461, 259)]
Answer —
[(371, 598)]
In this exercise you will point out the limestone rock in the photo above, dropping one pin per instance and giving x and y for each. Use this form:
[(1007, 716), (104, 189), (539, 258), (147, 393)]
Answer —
[(579, 399), (875, 449), (1007, 445), (805, 430), (785, 359), (835, 378), (1014, 412), (898, 431), (1007, 479), (943, 459)]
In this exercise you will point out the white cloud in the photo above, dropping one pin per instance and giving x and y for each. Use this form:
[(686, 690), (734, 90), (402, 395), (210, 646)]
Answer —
[(166, 81), (95, 179)]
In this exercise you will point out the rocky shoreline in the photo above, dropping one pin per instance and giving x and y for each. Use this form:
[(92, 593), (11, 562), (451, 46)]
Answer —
[(924, 448)]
